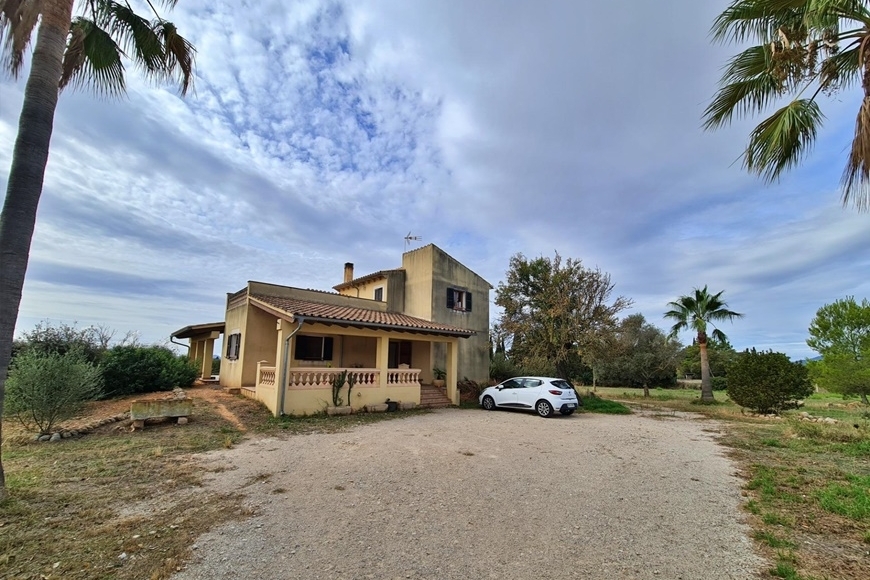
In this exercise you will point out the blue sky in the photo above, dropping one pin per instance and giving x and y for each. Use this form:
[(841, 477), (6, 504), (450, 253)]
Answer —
[(323, 132)]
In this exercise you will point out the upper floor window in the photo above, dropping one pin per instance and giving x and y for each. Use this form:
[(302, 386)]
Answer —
[(234, 342), (459, 300), (379, 294)]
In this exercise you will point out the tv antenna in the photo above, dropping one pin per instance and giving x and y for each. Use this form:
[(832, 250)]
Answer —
[(409, 238)]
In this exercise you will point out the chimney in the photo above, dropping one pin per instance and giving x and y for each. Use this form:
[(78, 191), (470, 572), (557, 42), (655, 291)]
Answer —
[(348, 271)]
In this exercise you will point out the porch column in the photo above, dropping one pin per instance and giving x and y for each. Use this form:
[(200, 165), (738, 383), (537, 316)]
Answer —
[(453, 370), (191, 352), (383, 360), (284, 328), (207, 356)]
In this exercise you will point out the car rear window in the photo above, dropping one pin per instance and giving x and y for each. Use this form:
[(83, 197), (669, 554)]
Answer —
[(562, 384)]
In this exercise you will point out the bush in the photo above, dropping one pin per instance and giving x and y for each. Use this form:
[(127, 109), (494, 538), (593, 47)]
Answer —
[(719, 383), (501, 369), (44, 389), (767, 381), (129, 370)]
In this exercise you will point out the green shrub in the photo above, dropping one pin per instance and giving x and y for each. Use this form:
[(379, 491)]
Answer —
[(129, 370), (767, 381), (719, 383), (44, 389), (501, 369)]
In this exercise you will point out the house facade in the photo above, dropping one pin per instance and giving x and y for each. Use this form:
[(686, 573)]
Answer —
[(284, 346)]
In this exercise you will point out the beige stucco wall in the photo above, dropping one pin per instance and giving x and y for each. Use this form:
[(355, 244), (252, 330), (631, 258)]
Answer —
[(231, 370), (429, 272), (258, 342), (359, 351), (310, 401)]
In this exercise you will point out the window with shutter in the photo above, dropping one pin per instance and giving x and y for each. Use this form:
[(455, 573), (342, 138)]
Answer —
[(234, 342), (458, 300), (379, 294)]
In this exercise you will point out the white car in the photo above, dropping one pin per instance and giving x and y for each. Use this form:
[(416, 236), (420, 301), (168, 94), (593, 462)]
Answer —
[(545, 395)]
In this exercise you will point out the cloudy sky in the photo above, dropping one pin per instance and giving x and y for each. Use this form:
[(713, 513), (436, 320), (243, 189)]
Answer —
[(323, 132)]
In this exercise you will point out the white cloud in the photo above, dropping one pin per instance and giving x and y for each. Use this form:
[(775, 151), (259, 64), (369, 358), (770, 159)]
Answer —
[(322, 132)]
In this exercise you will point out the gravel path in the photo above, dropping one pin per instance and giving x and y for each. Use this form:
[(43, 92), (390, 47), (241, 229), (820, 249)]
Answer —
[(461, 494)]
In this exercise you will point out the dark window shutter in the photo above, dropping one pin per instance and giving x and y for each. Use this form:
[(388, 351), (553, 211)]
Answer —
[(327, 348), (468, 301), (450, 298)]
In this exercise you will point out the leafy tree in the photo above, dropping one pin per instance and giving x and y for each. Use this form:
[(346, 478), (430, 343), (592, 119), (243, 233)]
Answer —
[(696, 312), (46, 388), (88, 52), (45, 338), (720, 354), (802, 48), (767, 381), (554, 312), (645, 356), (145, 369), (840, 332)]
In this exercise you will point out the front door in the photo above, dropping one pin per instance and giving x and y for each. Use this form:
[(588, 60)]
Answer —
[(400, 353)]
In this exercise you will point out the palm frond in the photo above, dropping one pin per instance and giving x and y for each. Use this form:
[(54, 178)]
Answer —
[(93, 59), (179, 55), (828, 13), (856, 177), (780, 141), (842, 69), (136, 35), (17, 21), (748, 86), (719, 335), (747, 20)]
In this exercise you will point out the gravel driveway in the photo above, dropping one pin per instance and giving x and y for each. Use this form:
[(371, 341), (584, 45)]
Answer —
[(472, 494)]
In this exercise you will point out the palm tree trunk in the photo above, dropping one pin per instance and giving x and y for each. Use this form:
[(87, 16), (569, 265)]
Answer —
[(29, 158), (706, 384)]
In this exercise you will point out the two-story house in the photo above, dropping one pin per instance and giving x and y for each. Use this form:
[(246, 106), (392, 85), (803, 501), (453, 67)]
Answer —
[(389, 330)]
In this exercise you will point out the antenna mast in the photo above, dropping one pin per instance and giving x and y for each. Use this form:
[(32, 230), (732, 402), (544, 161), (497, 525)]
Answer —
[(409, 238)]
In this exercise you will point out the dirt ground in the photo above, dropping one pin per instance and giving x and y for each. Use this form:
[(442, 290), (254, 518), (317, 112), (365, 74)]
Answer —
[(470, 494)]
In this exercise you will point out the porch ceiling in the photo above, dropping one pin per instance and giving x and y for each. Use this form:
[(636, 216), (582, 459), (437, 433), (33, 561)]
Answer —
[(197, 329), (356, 317)]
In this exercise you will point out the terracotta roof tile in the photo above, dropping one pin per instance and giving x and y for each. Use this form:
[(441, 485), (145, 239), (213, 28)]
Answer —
[(359, 316)]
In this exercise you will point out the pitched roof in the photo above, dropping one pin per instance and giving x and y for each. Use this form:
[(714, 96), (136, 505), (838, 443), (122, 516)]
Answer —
[(367, 278), (361, 317)]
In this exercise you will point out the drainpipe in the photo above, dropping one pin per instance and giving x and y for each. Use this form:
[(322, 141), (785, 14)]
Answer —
[(284, 360), (187, 346)]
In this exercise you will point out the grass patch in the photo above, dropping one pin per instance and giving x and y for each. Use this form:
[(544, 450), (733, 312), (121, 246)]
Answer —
[(850, 498), (595, 404), (321, 423), (772, 540)]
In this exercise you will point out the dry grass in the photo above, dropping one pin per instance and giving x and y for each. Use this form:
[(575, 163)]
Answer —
[(122, 504)]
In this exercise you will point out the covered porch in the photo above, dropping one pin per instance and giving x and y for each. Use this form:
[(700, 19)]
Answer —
[(201, 339), (368, 359), (387, 358)]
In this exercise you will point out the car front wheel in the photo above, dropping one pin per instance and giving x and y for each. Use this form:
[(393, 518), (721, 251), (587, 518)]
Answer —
[(544, 408), (488, 403)]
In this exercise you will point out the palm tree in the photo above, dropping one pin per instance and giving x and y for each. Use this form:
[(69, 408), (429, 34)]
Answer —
[(695, 312), (88, 52), (803, 48)]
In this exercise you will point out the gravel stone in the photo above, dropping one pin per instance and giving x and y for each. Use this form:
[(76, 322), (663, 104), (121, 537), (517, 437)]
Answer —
[(459, 494)]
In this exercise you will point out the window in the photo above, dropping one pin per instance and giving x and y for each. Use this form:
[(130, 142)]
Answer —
[(234, 342), (379, 294), (459, 300), (313, 347)]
